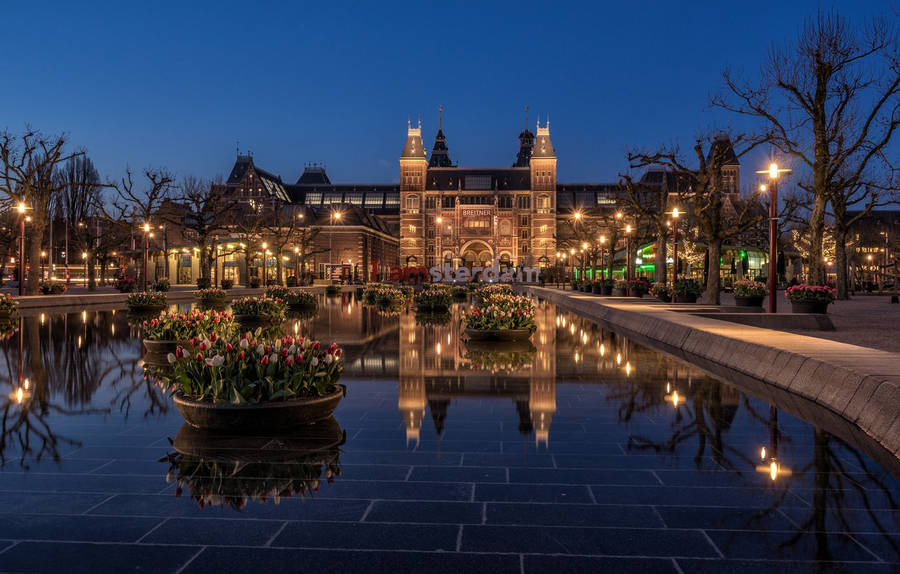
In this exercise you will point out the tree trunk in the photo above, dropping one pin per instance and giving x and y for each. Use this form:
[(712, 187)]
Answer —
[(659, 262), (815, 265), (714, 250), (840, 256), (204, 260), (34, 231), (92, 279), (278, 268)]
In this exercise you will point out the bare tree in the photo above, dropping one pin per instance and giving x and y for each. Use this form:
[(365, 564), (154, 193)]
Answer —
[(79, 185), (205, 210), (704, 191), (652, 203), (27, 164), (281, 228), (832, 102)]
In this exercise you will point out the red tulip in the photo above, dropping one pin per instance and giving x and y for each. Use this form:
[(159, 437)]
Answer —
[(265, 360)]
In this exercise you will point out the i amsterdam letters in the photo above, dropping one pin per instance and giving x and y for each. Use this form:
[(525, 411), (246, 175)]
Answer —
[(438, 274)]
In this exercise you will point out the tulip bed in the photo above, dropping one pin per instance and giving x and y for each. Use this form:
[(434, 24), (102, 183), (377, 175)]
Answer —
[(500, 312), (251, 370), (274, 308), (186, 326)]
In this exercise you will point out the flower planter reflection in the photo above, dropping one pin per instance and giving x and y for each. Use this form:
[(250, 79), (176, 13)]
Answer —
[(228, 470), (498, 334)]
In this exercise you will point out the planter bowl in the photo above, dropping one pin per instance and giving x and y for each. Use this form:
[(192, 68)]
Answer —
[(160, 347), (754, 301), (433, 309), (146, 309), (505, 335), (684, 298), (638, 294), (6, 315), (301, 307), (606, 291), (665, 298), (253, 322), (619, 293), (809, 307), (260, 418)]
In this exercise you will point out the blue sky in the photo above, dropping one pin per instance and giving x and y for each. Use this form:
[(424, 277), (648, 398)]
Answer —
[(177, 84)]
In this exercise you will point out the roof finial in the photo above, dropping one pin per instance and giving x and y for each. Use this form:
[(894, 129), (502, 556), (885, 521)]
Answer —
[(237, 146), (526, 118), (420, 122), (548, 121), (408, 122), (440, 117), (539, 121)]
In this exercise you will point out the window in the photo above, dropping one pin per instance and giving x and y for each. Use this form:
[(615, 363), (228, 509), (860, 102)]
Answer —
[(543, 229), (374, 199), (543, 202), (430, 202), (505, 202), (448, 202), (523, 221), (314, 198), (479, 223), (478, 182), (330, 198), (412, 202), (412, 229), (524, 201), (392, 200), (523, 233)]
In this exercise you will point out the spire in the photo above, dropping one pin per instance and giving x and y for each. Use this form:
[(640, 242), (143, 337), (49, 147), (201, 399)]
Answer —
[(526, 145), (543, 147), (440, 155)]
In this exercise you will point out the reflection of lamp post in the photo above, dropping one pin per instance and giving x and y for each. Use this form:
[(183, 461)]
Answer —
[(773, 173), (21, 250), (770, 464), (146, 253)]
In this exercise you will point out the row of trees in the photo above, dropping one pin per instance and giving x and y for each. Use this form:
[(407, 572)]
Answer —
[(64, 188), (829, 106)]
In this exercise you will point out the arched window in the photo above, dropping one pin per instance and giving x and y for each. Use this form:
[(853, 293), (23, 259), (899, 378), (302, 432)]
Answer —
[(412, 202)]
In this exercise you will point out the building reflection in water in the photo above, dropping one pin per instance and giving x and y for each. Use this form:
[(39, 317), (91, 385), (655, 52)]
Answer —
[(437, 367)]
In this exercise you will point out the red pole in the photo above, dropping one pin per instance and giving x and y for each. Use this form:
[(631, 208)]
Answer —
[(21, 259), (773, 246)]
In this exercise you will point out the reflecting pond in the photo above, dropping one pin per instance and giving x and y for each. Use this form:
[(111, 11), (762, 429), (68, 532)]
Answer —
[(580, 450)]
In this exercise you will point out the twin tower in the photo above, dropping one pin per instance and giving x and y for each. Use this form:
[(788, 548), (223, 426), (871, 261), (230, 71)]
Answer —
[(475, 216)]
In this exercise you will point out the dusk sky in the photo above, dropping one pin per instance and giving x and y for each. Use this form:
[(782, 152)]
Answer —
[(178, 84)]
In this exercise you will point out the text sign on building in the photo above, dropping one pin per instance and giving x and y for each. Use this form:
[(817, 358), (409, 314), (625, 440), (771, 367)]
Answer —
[(475, 212)]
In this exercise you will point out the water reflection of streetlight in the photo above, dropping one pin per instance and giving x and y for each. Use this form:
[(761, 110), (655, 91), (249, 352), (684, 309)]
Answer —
[(769, 457), (672, 396)]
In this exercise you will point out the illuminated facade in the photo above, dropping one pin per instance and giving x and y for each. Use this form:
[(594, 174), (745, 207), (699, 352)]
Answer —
[(477, 216)]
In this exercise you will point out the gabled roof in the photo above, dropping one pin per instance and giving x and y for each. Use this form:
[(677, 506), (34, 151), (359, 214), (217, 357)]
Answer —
[(440, 155), (314, 175), (413, 148), (350, 215), (722, 144)]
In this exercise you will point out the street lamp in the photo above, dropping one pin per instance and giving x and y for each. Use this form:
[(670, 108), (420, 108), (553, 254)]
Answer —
[(335, 215), (602, 242), (265, 255), (43, 255), (674, 245), (21, 209), (628, 252), (773, 172), (146, 253)]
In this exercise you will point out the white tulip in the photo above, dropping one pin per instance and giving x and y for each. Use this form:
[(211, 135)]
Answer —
[(171, 358)]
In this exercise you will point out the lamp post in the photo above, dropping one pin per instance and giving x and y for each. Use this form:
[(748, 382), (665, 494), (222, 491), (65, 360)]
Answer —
[(602, 268), (773, 172), (265, 255), (628, 252), (84, 267), (43, 255), (674, 245), (21, 209), (146, 254), (440, 231), (572, 265), (334, 215)]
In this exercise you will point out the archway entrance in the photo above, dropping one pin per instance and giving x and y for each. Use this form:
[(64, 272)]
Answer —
[(477, 253)]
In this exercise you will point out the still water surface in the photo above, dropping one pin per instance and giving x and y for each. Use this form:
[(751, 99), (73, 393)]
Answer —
[(580, 451)]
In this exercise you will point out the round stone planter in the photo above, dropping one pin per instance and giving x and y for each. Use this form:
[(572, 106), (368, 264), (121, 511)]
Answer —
[(265, 417), (665, 298), (303, 307), (498, 334), (755, 301), (809, 307), (638, 294), (606, 291), (596, 289), (684, 298), (163, 347), (619, 293), (253, 322), (215, 303), (146, 309)]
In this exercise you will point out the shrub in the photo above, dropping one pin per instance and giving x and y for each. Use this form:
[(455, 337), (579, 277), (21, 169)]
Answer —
[(622, 285), (274, 308), (227, 283), (458, 292), (53, 288), (8, 305), (147, 298), (125, 284), (501, 311), (749, 289), (162, 285), (254, 281), (389, 296), (686, 287), (203, 283), (660, 290), (187, 326), (275, 292), (810, 293), (254, 370), (211, 296), (638, 286), (407, 291), (430, 299)]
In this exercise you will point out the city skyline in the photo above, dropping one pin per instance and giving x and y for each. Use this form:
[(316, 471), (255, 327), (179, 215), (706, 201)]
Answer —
[(184, 87)]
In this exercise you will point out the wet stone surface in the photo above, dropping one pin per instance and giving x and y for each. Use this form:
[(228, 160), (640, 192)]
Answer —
[(579, 452)]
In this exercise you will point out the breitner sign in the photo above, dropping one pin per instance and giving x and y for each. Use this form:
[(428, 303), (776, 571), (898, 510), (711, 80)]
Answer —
[(446, 274)]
